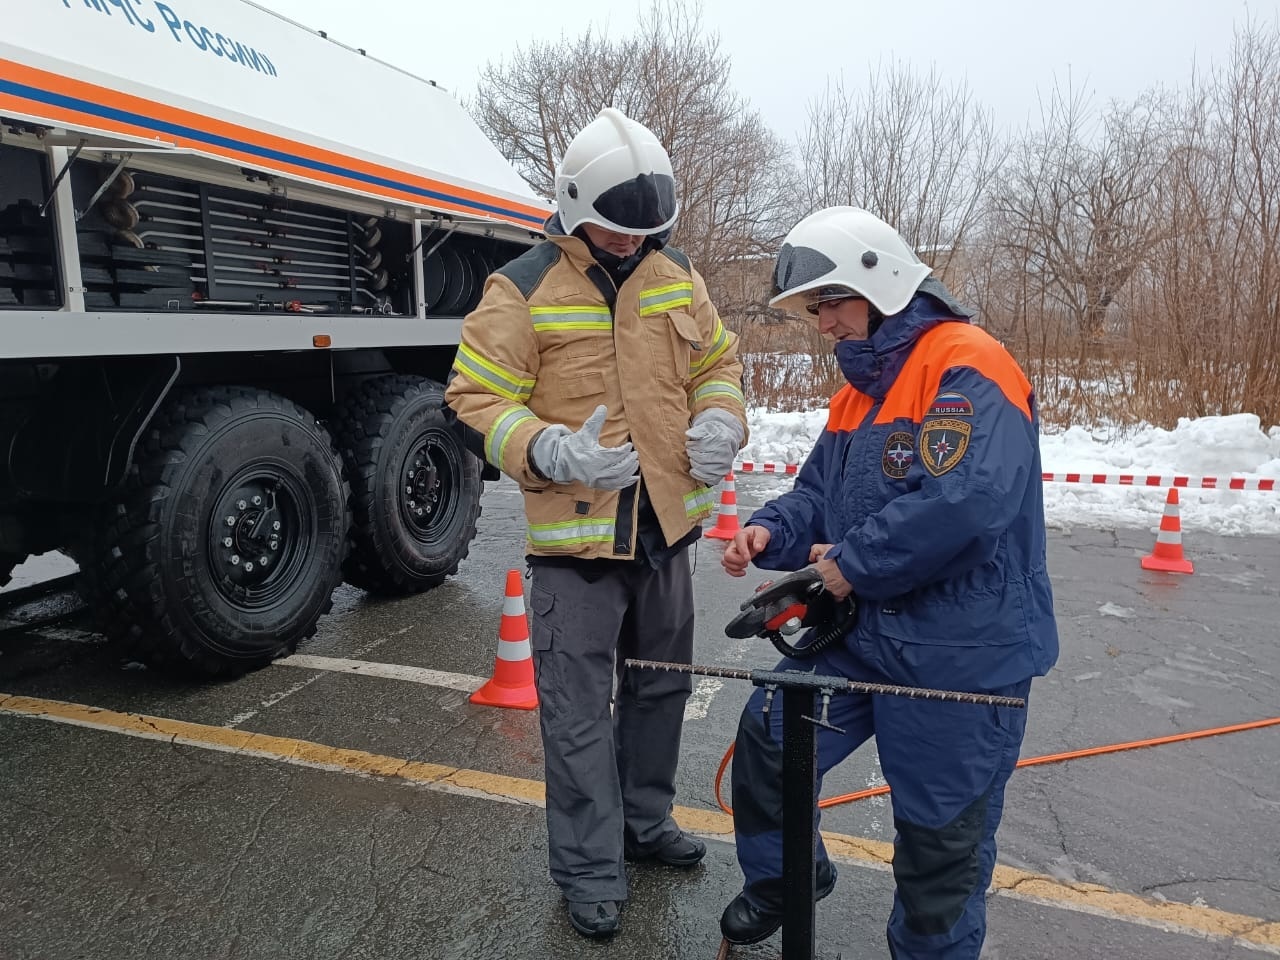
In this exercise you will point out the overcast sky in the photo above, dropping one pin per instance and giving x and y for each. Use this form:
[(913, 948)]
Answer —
[(1008, 51)]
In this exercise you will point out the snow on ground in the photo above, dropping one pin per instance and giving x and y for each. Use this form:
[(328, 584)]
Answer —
[(1222, 447)]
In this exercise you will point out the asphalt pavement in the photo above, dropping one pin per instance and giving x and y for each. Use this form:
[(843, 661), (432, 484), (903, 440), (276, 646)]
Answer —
[(313, 810)]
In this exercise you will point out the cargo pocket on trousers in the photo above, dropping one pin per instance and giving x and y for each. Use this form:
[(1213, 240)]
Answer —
[(542, 639)]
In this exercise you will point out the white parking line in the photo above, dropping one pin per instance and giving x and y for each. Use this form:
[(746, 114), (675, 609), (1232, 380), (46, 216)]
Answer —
[(700, 700), (389, 671)]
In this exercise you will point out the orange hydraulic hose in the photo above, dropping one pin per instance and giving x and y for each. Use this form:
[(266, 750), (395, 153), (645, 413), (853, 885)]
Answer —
[(1029, 761)]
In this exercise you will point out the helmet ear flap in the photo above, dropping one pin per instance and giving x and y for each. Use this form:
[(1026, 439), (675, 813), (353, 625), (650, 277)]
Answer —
[(782, 269)]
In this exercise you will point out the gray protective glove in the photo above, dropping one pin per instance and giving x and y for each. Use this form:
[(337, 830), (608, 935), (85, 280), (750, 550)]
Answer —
[(714, 440), (563, 456)]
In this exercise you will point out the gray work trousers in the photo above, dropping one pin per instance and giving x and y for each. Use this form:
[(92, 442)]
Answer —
[(610, 779)]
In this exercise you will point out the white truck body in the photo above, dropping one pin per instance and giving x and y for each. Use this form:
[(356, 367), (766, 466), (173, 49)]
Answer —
[(225, 87), (234, 260)]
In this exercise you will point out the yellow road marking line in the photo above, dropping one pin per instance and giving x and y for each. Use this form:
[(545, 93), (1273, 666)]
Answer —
[(1205, 922)]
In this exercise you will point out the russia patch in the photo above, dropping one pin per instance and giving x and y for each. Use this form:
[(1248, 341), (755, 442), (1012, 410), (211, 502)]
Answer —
[(943, 443), (951, 404), (899, 454)]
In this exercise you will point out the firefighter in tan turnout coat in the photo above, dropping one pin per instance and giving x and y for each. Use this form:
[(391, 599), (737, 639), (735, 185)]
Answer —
[(605, 384)]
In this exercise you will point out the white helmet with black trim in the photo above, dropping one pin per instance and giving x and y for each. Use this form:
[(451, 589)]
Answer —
[(841, 251), (616, 175)]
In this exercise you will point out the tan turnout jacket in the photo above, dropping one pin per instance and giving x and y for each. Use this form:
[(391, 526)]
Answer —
[(543, 347)]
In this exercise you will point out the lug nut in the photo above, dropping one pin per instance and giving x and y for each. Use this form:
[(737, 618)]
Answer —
[(275, 525), (231, 521), (257, 501), (248, 567), (226, 541), (241, 504), (235, 559)]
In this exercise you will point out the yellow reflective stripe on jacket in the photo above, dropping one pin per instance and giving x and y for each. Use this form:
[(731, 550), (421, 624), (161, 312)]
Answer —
[(495, 441), (570, 532), (699, 502), (719, 344), (593, 317), (659, 299), (719, 388), (491, 376)]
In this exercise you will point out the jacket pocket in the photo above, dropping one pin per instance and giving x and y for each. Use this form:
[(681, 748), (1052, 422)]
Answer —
[(571, 519), (686, 343), (583, 385)]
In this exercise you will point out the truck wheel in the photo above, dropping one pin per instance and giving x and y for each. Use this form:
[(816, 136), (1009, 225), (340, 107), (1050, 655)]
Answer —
[(229, 539), (415, 490)]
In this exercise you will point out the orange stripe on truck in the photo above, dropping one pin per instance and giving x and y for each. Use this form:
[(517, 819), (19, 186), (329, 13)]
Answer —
[(52, 83)]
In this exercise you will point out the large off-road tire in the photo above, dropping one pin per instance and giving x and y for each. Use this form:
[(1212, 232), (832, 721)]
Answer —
[(228, 539), (415, 490)]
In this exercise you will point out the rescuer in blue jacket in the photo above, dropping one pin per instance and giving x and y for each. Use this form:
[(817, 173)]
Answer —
[(923, 498)]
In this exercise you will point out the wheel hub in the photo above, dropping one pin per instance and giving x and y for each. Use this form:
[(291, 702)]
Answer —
[(425, 488), (255, 534)]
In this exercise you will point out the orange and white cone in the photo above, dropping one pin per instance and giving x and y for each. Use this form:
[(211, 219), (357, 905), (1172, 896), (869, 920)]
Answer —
[(727, 519), (512, 684), (1167, 554)]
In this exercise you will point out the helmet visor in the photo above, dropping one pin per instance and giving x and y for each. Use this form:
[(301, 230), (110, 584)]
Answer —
[(830, 295), (646, 203)]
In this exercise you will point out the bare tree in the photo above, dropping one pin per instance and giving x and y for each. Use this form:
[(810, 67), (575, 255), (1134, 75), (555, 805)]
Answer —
[(1075, 204), (733, 174), (1212, 336), (916, 152)]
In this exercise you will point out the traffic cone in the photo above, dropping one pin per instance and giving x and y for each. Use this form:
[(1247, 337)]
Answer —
[(512, 683), (1167, 554), (727, 520)]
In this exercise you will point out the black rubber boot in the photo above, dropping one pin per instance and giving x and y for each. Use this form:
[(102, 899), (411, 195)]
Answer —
[(683, 851), (742, 923), (595, 920)]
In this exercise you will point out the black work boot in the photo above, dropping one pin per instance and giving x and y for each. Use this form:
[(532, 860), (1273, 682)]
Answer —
[(595, 920), (743, 923), (680, 851)]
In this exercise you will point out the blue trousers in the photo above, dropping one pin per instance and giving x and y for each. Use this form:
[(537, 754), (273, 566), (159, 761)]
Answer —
[(946, 764)]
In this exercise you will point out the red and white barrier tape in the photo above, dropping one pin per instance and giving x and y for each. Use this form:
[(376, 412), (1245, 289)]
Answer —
[(1112, 479), (1155, 480), (749, 466)]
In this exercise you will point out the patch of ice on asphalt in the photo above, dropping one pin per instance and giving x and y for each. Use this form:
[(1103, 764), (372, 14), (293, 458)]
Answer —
[(1114, 610)]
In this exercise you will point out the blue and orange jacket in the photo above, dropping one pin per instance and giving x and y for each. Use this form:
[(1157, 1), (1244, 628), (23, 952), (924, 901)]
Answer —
[(927, 480)]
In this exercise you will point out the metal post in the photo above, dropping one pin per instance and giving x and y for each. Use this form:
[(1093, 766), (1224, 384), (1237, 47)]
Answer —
[(799, 794)]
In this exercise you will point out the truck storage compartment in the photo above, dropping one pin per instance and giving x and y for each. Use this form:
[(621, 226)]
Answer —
[(152, 242), (29, 276)]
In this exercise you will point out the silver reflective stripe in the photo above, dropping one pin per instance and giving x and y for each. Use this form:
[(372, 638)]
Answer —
[(585, 317), (658, 299), (700, 501), (719, 388), (488, 374), (719, 345), (571, 532), (495, 444)]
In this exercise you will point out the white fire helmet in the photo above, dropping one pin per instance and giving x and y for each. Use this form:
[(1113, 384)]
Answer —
[(848, 250), (616, 175)]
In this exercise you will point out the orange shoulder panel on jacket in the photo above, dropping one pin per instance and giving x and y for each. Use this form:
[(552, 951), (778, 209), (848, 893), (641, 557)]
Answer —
[(847, 410), (945, 347)]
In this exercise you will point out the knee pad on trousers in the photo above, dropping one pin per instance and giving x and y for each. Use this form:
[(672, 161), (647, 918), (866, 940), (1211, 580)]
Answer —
[(937, 870)]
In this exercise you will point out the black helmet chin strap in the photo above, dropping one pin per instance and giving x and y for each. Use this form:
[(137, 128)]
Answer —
[(619, 268)]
